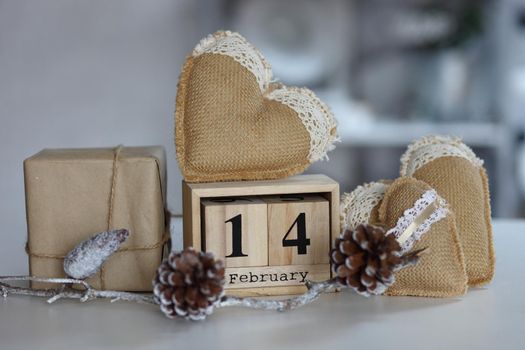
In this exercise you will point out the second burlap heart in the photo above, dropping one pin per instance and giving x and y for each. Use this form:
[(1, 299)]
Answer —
[(234, 123), (408, 206), (457, 174)]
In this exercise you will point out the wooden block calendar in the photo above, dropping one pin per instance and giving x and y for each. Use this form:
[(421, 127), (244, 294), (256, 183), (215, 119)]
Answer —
[(273, 235)]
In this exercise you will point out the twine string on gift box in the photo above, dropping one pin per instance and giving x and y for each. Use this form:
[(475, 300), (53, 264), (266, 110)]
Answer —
[(111, 206), (116, 154), (164, 240)]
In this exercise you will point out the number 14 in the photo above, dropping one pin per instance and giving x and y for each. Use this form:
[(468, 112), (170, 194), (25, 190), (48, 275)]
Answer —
[(301, 242)]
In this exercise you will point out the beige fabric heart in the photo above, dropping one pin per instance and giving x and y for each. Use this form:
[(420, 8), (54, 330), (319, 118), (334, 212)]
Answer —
[(451, 167), (407, 205), (232, 122)]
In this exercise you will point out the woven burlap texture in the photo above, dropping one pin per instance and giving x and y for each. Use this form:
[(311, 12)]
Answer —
[(441, 271), (465, 187), (227, 130)]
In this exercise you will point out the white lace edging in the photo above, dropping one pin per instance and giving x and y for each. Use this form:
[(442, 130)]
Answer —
[(237, 47), (426, 149), (315, 115), (411, 214), (357, 206)]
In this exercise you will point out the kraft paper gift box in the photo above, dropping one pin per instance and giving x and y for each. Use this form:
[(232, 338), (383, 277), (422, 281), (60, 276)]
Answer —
[(72, 194)]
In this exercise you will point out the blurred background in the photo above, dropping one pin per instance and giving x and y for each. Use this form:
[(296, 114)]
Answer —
[(104, 72), (395, 70)]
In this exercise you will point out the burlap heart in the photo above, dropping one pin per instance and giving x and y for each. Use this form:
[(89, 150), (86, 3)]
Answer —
[(451, 167), (407, 205), (234, 123)]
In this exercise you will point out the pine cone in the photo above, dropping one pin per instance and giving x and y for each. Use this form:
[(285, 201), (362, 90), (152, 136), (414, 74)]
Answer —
[(365, 259), (189, 284)]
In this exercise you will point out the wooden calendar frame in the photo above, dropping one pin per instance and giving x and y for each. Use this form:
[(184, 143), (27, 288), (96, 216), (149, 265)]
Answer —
[(193, 193)]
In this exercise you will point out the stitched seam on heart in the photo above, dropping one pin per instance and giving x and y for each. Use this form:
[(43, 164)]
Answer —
[(237, 47), (426, 149), (196, 176), (492, 257), (180, 103)]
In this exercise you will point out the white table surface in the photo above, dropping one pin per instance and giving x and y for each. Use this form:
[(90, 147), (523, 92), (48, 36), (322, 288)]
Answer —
[(485, 318)]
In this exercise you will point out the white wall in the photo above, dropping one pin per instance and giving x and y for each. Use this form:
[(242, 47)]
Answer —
[(85, 74)]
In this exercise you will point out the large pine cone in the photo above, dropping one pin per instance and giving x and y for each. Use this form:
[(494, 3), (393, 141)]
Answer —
[(365, 259), (189, 284)]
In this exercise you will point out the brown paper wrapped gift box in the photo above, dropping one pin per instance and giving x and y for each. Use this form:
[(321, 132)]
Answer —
[(72, 194)]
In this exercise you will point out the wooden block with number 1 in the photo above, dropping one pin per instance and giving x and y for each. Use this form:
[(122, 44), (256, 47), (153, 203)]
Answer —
[(235, 229)]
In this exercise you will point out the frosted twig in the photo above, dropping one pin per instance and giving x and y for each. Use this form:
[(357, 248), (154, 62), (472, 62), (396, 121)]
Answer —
[(315, 289), (66, 292)]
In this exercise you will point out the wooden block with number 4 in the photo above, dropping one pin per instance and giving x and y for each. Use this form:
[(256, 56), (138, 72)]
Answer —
[(298, 230), (235, 229)]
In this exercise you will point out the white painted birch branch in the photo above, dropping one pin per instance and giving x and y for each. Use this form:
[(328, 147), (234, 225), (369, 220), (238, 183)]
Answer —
[(66, 292), (315, 289)]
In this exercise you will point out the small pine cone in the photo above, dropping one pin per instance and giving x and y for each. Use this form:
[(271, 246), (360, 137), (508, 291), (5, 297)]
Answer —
[(365, 259), (189, 284)]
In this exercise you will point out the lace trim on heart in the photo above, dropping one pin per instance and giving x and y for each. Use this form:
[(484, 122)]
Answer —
[(315, 116), (411, 214), (427, 149), (357, 206), (237, 47)]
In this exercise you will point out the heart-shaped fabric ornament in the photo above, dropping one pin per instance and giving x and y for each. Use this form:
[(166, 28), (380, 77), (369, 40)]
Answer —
[(232, 122), (451, 167), (415, 214)]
